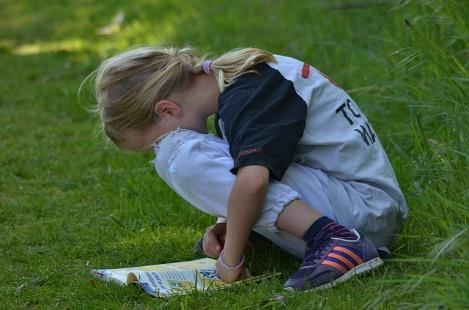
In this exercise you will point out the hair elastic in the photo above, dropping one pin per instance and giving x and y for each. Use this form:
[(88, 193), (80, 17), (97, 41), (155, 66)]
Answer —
[(230, 267), (206, 66)]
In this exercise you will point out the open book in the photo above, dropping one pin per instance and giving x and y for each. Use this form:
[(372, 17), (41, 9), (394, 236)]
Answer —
[(170, 279)]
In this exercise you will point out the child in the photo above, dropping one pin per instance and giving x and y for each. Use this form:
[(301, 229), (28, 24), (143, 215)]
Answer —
[(290, 131)]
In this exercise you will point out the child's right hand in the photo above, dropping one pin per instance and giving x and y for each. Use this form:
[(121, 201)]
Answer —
[(214, 240)]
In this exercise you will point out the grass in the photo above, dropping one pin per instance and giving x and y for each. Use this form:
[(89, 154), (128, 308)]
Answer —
[(70, 201)]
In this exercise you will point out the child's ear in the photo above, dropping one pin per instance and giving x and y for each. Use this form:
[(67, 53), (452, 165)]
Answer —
[(167, 107)]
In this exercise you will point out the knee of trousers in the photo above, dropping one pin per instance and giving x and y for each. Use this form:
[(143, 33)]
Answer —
[(278, 197)]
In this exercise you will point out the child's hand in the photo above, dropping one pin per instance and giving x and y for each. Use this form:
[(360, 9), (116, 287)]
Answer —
[(214, 240), (229, 274)]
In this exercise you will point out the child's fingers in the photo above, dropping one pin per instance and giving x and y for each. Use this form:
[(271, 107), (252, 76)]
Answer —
[(211, 245)]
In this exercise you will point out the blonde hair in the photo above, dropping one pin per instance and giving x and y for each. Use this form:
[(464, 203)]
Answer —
[(128, 85)]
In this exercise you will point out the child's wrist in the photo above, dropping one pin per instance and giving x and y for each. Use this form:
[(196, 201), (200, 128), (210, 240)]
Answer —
[(228, 266)]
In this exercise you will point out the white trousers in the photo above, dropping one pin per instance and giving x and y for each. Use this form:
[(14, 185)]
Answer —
[(197, 166)]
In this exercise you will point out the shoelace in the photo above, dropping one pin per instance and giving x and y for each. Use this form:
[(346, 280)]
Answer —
[(318, 243), (315, 257)]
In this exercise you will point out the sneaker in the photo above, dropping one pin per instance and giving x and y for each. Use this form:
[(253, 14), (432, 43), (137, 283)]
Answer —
[(328, 261)]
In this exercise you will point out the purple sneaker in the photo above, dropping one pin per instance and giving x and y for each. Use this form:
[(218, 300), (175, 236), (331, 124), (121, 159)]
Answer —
[(329, 260)]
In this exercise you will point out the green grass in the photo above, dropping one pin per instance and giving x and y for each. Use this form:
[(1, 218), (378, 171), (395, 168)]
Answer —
[(69, 201)]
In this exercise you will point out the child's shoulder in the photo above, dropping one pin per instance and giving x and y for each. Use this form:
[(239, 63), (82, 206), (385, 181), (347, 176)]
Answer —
[(266, 75), (286, 61)]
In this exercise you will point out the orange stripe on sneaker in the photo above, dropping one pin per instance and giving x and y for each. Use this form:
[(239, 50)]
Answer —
[(342, 259), (335, 265), (349, 253)]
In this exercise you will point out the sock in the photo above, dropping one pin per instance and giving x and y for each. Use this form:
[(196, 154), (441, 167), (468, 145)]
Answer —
[(334, 230)]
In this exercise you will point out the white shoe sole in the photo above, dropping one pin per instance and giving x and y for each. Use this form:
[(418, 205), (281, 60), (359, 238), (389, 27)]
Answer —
[(365, 267)]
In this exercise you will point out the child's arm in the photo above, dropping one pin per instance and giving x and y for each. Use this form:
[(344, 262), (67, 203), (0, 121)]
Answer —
[(245, 203)]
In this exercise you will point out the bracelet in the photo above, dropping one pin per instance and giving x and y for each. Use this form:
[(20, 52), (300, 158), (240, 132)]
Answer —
[(230, 267)]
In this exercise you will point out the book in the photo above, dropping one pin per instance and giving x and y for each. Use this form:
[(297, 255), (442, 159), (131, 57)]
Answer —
[(165, 280)]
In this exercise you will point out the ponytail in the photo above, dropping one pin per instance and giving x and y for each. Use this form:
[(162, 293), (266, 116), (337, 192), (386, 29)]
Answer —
[(234, 63)]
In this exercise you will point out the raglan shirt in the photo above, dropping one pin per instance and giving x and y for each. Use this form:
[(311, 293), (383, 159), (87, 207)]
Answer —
[(290, 112), (263, 120)]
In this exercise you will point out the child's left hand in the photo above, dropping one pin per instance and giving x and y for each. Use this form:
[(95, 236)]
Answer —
[(227, 274)]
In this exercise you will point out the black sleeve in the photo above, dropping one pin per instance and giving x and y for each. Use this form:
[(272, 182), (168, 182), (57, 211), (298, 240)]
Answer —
[(264, 118)]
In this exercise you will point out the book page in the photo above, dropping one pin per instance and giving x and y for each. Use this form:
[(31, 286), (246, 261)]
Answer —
[(166, 279), (174, 278)]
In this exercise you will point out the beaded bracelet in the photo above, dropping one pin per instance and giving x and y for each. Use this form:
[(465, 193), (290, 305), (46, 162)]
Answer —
[(230, 267)]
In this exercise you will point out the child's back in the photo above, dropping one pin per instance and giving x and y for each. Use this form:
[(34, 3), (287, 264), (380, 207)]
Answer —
[(326, 131)]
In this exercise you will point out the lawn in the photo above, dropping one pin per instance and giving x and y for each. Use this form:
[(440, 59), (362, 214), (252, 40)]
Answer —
[(70, 201)]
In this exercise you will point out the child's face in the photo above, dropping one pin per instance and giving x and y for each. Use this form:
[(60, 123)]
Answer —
[(141, 140), (188, 109), (171, 115)]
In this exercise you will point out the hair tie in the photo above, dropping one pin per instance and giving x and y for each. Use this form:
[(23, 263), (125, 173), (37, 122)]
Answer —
[(206, 66)]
